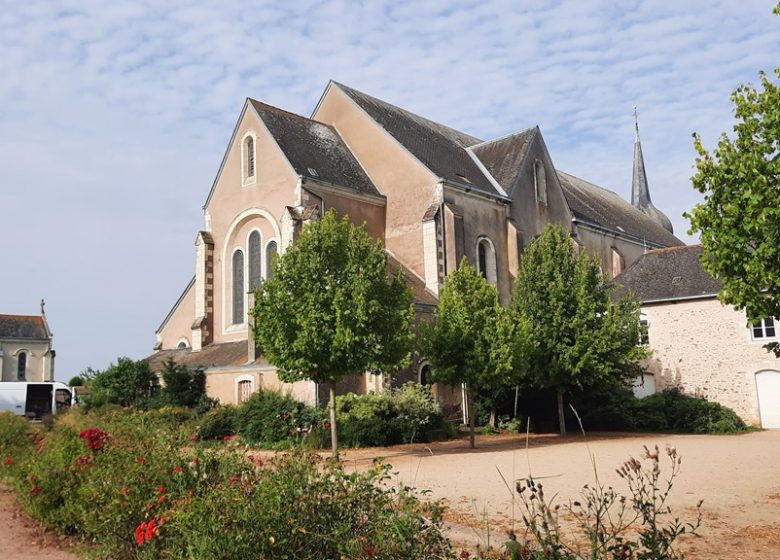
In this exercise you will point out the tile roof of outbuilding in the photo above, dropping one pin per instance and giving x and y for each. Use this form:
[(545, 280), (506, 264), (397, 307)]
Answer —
[(595, 205), (440, 148), (211, 356), (503, 156), (23, 326), (668, 274), (310, 145)]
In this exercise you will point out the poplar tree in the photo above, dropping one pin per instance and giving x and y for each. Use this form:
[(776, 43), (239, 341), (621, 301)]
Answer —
[(579, 335), (331, 310)]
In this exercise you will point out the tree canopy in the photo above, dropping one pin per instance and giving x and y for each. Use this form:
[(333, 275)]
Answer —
[(183, 386), (472, 339), (126, 383), (331, 310), (579, 334), (739, 220)]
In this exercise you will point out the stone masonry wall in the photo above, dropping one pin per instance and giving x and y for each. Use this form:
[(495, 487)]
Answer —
[(706, 349)]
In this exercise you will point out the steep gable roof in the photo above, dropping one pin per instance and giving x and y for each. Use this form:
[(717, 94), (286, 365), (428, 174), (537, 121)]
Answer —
[(310, 145), (669, 274), (31, 327), (503, 156), (440, 148), (594, 205)]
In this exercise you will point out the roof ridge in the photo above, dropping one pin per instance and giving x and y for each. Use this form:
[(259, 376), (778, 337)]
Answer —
[(21, 316), (675, 249), (414, 115), (505, 136), (276, 109)]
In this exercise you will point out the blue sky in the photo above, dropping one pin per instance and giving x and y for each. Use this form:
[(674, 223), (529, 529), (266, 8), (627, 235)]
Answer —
[(114, 117)]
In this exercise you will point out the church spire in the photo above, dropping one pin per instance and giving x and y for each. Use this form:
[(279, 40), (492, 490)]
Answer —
[(640, 192)]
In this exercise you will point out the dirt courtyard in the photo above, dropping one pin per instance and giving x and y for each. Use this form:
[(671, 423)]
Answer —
[(738, 477)]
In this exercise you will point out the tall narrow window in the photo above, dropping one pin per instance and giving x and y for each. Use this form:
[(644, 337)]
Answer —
[(249, 149), (255, 260), (244, 390), (270, 252), (21, 366), (486, 260), (238, 287), (540, 182), (617, 262), (644, 330)]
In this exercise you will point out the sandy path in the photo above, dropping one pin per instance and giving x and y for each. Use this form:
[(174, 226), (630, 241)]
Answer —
[(22, 539), (737, 476)]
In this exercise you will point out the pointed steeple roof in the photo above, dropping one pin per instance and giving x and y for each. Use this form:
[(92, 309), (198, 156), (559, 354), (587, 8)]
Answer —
[(640, 192)]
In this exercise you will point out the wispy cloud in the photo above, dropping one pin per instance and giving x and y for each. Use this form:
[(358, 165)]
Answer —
[(114, 117)]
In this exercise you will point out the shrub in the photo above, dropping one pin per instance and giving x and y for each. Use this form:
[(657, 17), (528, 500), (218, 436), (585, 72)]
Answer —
[(270, 419), (669, 410), (398, 416), (365, 420), (217, 423), (126, 482), (183, 386), (417, 412), (16, 440), (125, 383), (327, 514)]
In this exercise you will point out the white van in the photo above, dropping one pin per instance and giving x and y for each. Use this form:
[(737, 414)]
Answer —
[(35, 400)]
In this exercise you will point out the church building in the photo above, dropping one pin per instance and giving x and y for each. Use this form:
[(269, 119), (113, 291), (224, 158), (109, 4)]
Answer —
[(429, 193)]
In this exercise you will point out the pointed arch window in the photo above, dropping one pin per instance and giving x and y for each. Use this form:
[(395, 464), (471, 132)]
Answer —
[(238, 287), (255, 260), (270, 252), (486, 260), (249, 157), (21, 366), (540, 182)]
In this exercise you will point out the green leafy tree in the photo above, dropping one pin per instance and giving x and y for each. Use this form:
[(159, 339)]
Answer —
[(126, 383), (473, 339), (739, 220), (330, 309), (579, 334), (183, 386)]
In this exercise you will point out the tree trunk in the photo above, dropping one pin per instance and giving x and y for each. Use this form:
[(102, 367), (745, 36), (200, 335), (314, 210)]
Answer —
[(334, 437), (492, 420), (561, 418), (472, 420)]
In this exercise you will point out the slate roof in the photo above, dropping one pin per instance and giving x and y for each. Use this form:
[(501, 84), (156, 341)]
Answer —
[(211, 356), (592, 204), (311, 145), (668, 274), (502, 157), (440, 148), (24, 326)]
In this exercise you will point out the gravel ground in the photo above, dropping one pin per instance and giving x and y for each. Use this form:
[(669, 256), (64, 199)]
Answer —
[(738, 477)]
